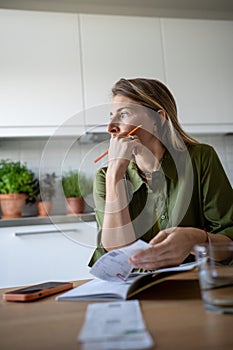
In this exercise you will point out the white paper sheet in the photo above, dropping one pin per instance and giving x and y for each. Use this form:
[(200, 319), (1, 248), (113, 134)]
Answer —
[(114, 265), (98, 290), (183, 267), (118, 325)]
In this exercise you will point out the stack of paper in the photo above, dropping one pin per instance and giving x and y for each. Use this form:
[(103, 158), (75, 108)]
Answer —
[(118, 325)]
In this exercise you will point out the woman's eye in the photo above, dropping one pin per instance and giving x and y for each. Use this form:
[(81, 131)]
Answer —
[(124, 114)]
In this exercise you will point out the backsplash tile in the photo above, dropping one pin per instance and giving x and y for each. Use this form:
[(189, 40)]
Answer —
[(61, 155), (64, 155)]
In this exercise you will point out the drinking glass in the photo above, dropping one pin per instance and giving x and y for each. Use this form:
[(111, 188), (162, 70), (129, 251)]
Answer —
[(215, 270)]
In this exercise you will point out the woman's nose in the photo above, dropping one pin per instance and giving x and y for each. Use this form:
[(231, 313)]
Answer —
[(113, 128)]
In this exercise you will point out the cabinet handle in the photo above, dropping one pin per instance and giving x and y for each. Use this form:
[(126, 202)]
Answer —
[(30, 233)]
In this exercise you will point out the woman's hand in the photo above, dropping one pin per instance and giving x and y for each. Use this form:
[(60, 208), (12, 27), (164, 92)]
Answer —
[(169, 247), (121, 150)]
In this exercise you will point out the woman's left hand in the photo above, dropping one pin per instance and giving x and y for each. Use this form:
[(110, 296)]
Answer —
[(169, 247)]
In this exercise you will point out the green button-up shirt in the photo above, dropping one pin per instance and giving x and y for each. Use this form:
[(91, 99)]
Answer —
[(190, 189)]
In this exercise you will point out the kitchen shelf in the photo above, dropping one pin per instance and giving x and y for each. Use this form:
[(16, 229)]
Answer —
[(57, 219)]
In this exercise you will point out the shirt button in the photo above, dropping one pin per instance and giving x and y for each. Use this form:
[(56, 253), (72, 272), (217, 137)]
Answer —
[(163, 217)]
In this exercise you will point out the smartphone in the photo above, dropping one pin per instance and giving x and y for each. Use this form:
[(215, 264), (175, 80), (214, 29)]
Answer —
[(37, 291)]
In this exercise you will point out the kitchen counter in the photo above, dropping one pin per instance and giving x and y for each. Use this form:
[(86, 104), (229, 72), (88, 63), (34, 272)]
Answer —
[(57, 219)]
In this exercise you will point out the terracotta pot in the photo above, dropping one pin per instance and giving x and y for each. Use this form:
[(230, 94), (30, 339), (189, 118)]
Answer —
[(74, 205), (44, 208), (12, 205)]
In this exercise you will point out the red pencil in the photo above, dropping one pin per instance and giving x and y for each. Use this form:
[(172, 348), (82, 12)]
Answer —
[(106, 152)]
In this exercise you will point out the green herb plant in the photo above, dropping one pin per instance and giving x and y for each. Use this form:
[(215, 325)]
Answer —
[(76, 184), (15, 177)]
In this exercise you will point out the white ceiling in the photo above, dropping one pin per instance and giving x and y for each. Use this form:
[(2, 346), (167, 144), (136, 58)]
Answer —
[(209, 9)]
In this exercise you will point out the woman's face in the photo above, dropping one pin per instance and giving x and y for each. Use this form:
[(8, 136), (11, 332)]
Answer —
[(126, 114)]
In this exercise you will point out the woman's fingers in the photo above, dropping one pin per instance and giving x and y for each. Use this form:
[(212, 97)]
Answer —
[(153, 254), (151, 260), (122, 146), (161, 236), (158, 247), (166, 249)]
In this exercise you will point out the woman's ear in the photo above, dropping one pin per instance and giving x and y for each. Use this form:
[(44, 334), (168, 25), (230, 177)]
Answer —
[(159, 125), (163, 116)]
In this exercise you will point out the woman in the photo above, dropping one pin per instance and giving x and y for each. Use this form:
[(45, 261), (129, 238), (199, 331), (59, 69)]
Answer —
[(160, 185)]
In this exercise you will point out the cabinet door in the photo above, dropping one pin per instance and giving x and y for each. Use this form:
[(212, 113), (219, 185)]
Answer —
[(33, 254), (115, 47), (40, 85), (199, 71)]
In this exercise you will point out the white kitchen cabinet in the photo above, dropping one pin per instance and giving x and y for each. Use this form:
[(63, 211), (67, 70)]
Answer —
[(115, 47), (198, 56), (40, 85), (57, 69), (33, 254)]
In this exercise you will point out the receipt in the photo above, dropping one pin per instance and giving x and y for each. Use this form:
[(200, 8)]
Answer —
[(114, 265), (115, 325)]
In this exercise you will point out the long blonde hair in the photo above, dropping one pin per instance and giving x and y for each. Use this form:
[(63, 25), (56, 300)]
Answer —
[(155, 95)]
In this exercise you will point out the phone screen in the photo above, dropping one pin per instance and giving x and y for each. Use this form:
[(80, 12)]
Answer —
[(37, 288)]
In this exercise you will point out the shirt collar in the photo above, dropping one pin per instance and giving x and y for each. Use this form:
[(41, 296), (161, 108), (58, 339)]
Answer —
[(168, 167)]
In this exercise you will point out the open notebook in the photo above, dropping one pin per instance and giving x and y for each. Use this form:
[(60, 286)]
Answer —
[(114, 280)]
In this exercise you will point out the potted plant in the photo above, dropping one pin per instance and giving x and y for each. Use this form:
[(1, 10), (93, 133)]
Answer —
[(47, 191), (76, 186), (17, 186)]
